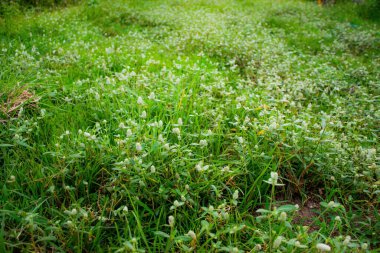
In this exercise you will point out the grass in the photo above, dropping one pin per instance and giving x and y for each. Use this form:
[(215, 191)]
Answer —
[(166, 126)]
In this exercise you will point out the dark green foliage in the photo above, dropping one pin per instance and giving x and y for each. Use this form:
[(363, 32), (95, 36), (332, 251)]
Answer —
[(370, 9), (11, 8)]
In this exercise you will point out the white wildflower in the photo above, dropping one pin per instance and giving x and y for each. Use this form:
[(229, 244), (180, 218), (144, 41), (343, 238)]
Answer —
[(347, 240), (138, 147), (273, 179), (152, 96), (176, 131), (171, 220), (122, 126), (226, 169), (203, 143), (282, 217), (140, 101), (323, 247), (167, 146), (192, 234), (277, 242)]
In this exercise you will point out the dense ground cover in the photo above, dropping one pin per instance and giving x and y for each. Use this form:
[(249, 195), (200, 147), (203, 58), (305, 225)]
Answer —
[(189, 125)]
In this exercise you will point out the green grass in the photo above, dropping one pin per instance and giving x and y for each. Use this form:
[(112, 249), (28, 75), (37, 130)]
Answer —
[(159, 126)]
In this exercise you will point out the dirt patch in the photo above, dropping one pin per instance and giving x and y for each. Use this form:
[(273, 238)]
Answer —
[(14, 102), (307, 213)]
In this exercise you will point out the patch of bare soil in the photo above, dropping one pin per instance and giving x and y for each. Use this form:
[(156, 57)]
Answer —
[(14, 102), (308, 211)]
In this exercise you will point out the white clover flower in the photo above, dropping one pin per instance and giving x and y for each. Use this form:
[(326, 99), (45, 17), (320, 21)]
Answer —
[(192, 234), (277, 242), (332, 204), (235, 250), (323, 247), (12, 179), (102, 218), (109, 50), (171, 220), (167, 146), (51, 189), (257, 247), (143, 115), (203, 143), (87, 135), (364, 246), (274, 176), (125, 209), (84, 214), (273, 179), (138, 147), (176, 204), (282, 217), (338, 219), (199, 167), (122, 125), (180, 122), (347, 240), (129, 133), (152, 96), (152, 169), (69, 223), (140, 101), (241, 140), (176, 131), (226, 169), (71, 212), (297, 244)]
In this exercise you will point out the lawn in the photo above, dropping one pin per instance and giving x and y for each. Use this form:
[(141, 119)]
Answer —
[(179, 126)]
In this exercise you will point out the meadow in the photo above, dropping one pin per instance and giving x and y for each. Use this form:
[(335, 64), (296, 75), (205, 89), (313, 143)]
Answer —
[(189, 126)]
